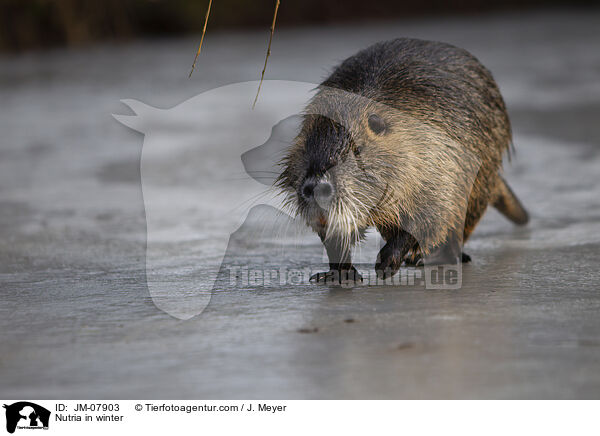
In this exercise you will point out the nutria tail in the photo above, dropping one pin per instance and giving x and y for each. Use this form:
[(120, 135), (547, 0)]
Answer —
[(509, 205)]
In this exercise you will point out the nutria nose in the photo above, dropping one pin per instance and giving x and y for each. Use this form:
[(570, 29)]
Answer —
[(308, 189), (321, 192)]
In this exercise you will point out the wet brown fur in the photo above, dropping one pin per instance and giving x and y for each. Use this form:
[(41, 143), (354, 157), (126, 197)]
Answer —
[(434, 169)]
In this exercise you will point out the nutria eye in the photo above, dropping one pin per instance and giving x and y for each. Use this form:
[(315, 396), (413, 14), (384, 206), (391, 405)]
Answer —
[(376, 124), (357, 150)]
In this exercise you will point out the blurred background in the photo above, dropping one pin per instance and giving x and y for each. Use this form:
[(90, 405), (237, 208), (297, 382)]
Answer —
[(29, 24)]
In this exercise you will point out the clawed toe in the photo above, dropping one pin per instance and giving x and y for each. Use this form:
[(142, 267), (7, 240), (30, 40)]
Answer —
[(334, 276)]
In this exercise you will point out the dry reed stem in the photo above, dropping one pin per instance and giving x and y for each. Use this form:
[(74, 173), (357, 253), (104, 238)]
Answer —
[(202, 37), (262, 76)]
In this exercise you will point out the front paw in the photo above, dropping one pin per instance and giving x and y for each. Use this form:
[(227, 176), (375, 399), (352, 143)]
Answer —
[(389, 261), (337, 276)]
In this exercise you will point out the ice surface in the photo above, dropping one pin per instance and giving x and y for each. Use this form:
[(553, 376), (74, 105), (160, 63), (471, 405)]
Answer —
[(75, 301)]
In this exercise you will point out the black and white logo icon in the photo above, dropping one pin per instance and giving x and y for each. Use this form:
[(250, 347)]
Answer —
[(26, 415)]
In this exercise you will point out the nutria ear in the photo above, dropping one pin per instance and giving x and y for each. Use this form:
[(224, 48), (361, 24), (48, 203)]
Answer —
[(376, 124), (262, 162)]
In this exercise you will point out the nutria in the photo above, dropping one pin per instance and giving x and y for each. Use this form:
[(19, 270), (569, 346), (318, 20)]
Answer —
[(407, 136)]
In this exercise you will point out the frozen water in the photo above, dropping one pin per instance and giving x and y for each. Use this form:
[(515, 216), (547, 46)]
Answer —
[(75, 299)]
